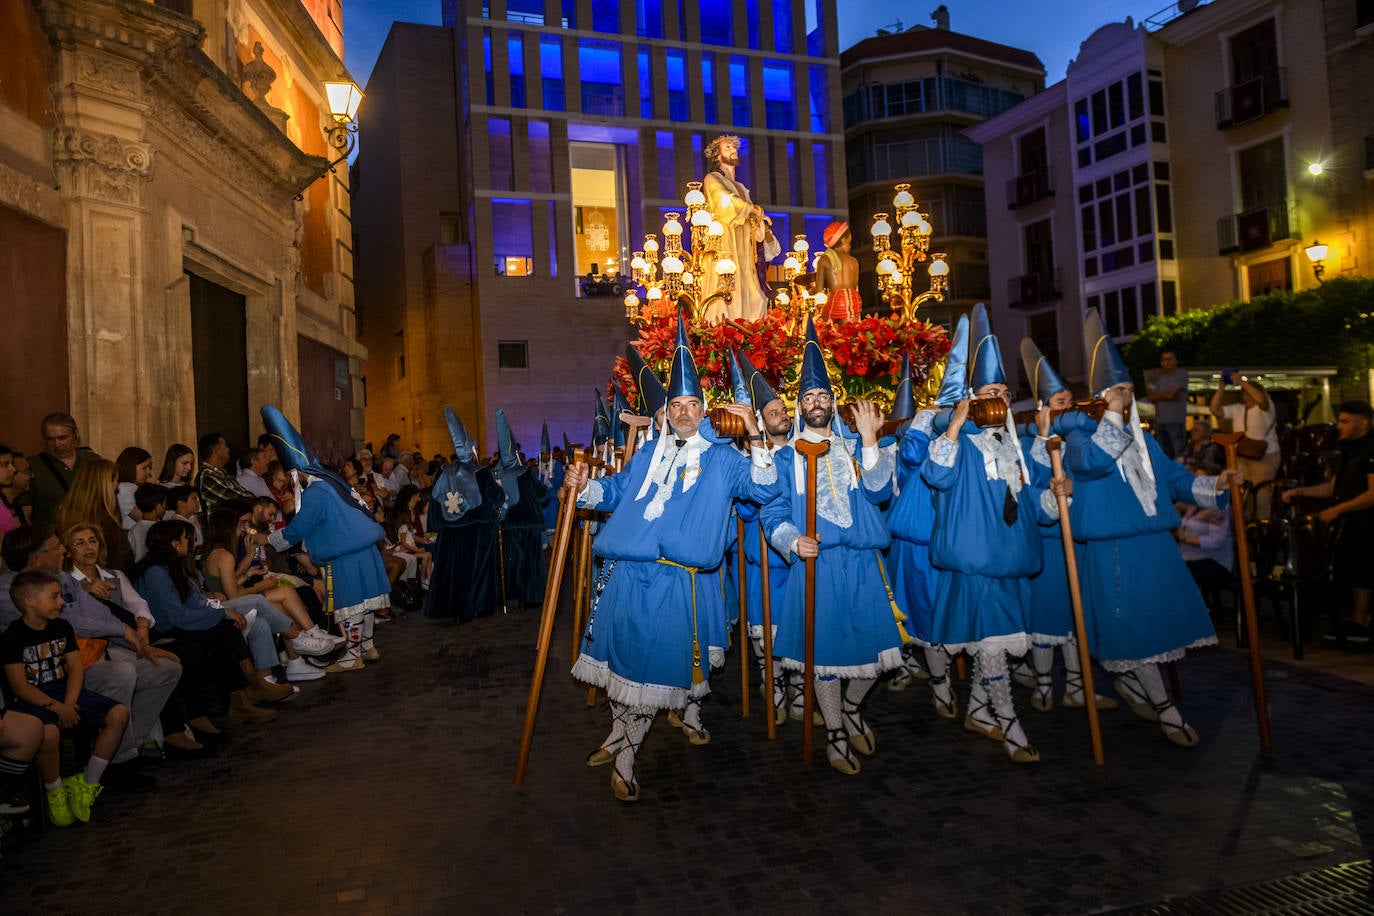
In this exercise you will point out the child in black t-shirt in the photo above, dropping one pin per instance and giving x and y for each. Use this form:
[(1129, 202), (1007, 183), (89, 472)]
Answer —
[(43, 675)]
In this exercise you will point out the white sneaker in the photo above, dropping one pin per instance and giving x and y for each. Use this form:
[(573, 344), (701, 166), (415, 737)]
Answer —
[(336, 640), (309, 644), (298, 669)]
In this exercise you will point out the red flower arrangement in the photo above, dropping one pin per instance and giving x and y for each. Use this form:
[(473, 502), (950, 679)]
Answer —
[(866, 351)]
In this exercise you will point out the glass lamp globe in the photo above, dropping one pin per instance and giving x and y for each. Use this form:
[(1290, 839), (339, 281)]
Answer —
[(725, 266)]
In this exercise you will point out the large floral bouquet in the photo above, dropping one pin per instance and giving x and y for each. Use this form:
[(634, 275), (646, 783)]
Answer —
[(865, 355)]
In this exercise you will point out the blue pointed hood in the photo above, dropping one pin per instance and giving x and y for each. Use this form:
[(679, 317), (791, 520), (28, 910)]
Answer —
[(683, 381), (953, 387), (464, 446), (739, 384), (295, 455), (618, 406), (651, 393), (904, 401), (545, 448), (567, 448), (601, 424), (984, 352), (456, 489), (1044, 381), (509, 466), (760, 392), (813, 372), (1105, 366)]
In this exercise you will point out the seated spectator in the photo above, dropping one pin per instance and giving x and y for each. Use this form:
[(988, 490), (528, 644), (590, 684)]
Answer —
[(394, 476), (150, 500), (184, 503), (410, 535), (267, 447), (179, 467), (15, 492), (10, 516), (45, 676), (133, 468), (215, 482), (252, 465), (55, 467), (280, 484), (1207, 539), (85, 549), (1200, 449), (91, 500), (21, 735), (118, 671), (371, 473), (239, 574), (1352, 488), (182, 610), (419, 472)]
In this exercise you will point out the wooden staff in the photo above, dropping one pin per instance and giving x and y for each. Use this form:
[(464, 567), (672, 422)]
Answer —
[(579, 552), (740, 573), (1229, 441), (812, 451), (501, 558), (1080, 627), (567, 501), (767, 633)]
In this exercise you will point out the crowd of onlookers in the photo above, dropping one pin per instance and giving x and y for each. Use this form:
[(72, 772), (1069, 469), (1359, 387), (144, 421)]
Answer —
[(142, 609), (1305, 485)]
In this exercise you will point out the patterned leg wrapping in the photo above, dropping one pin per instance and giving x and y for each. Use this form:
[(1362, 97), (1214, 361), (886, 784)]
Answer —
[(1170, 719), (837, 749), (1042, 661), (637, 721), (980, 718), (942, 691), (997, 683), (852, 694)]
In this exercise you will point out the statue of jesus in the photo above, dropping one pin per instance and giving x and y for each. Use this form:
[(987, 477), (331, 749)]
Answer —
[(746, 227)]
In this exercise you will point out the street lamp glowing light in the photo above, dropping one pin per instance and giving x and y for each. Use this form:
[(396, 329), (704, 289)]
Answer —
[(1316, 251), (1316, 168), (344, 99)]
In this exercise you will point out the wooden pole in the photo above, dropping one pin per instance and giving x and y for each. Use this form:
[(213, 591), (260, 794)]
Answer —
[(812, 451), (1228, 441), (567, 501), (579, 587), (767, 633), (501, 558), (1080, 626), (742, 591)]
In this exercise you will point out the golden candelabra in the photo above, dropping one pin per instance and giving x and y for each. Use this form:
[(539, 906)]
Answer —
[(798, 298), (897, 267), (672, 274)]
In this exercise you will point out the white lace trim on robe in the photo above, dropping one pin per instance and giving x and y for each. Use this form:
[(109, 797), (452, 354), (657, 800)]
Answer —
[(835, 477), (1134, 463)]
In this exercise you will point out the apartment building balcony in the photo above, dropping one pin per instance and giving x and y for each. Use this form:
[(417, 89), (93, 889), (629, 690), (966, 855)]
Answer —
[(1035, 289), (1252, 99), (1256, 229), (1027, 189)]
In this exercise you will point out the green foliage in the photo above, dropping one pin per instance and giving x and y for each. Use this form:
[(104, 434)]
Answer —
[(1332, 325)]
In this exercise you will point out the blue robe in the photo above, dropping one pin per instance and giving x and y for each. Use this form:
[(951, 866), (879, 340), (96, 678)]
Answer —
[(662, 595), (982, 591), (522, 537), (342, 540), (858, 632), (550, 501), (465, 583), (1140, 602), (911, 520), (1051, 612)]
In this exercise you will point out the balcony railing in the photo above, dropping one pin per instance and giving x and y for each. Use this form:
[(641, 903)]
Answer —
[(1024, 190), (1256, 229), (1029, 290), (1252, 99)]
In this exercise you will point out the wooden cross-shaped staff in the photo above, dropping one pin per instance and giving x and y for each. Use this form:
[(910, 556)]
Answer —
[(812, 451)]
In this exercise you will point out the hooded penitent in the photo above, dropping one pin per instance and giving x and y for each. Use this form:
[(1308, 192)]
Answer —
[(509, 466), (954, 387), (456, 490), (299, 459), (984, 353), (618, 406), (814, 375), (650, 393), (1105, 369), (1045, 383)]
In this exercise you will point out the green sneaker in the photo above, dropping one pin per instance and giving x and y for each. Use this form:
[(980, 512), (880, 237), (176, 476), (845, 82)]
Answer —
[(82, 795), (59, 808)]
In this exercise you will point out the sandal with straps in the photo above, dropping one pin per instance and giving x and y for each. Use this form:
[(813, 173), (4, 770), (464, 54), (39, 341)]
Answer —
[(971, 724), (1042, 696), (945, 709), (1020, 753), (846, 763), (1180, 735), (861, 737), (1135, 698), (1073, 693)]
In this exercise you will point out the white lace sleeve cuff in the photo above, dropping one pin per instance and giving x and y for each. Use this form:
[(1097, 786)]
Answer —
[(878, 473), (761, 468), (925, 421), (1111, 438), (591, 497), (784, 538), (1039, 453), (1049, 504), (1205, 492), (943, 451)]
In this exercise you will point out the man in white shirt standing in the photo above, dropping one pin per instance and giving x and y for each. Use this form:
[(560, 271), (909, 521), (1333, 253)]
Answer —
[(1256, 417)]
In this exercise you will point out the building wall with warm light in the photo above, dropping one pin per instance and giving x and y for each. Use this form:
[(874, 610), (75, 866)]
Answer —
[(907, 98), (538, 142), (1184, 156), (166, 279)]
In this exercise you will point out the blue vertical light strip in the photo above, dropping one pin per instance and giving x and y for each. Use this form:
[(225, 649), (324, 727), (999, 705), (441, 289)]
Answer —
[(551, 71), (820, 161), (779, 95), (751, 16), (646, 83), (708, 87), (486, 61), (782, 26), (740, 114), (515, 51), (820, 99), (649, 18), (553, 238)]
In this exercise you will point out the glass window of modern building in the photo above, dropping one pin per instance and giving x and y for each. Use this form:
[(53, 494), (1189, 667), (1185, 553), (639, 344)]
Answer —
[(599, 215), (512, 224), (551, 72), (599, 68)]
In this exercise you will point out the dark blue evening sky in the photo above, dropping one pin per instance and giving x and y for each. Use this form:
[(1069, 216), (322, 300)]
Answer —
[(1052, 29)]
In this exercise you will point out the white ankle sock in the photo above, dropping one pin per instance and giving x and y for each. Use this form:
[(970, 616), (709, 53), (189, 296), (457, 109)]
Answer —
[(95, 768)]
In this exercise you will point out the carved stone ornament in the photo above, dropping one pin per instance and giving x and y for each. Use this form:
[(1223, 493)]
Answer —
[(103, 166), (120, 77), (259, 76)]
